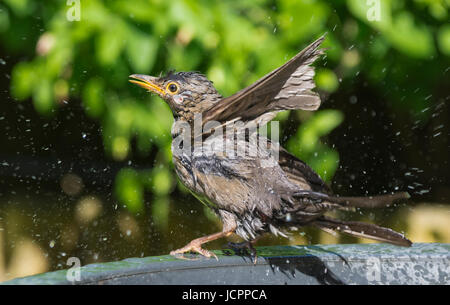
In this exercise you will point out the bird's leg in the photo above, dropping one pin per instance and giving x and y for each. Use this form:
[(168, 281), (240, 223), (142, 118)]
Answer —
[(196, 244)]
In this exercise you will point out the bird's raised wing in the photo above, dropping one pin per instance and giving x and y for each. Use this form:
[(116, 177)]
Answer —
[(288, 87)]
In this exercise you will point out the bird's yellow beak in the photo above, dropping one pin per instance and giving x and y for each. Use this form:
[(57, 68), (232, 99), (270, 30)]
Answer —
[(146, 82)]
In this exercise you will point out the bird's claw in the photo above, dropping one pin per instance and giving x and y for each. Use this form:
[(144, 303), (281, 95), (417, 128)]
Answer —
[(193, 248)]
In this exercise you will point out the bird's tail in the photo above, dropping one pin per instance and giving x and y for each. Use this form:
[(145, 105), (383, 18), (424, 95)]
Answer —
[(361, 229), (355, 202), (370, 201)]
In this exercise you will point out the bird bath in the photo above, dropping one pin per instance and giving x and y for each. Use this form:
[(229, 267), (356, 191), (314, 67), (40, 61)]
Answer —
[(314, 264)]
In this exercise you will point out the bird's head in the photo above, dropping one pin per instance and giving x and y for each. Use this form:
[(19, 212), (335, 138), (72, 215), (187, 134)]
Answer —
[(187, 93)]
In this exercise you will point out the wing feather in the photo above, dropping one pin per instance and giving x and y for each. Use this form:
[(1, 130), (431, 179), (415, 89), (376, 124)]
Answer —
[(287, 87)]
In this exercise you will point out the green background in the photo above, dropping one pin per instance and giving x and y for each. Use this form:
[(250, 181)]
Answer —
[(68, 106)]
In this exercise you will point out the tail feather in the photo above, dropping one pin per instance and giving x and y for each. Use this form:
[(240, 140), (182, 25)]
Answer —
[(361, 229), (357, 202), (370, 201)]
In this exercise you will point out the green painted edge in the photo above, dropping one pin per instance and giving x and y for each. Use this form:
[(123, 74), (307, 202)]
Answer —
[(132, 266)]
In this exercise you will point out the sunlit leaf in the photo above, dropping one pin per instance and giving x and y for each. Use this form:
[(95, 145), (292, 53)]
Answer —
[(120, 148), (141, 50), (160, 212), (444, 39), (4, 19), (110, 44), (376, 13), (325, 162), (93, 97), (326, 80), (43, 96), (413, 39), (23, 80), (307, 146), (129, 190), (299, 19), (161, 181), (21, 7), (404, 32)]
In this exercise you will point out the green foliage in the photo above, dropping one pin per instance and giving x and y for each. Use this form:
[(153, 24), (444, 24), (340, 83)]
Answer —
[(326, 80), (399, 27), (130, 185), (233, 42), (306, 143), (160, 212), (129, 189), (444, 39)]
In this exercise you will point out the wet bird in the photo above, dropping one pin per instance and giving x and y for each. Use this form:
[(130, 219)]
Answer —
[(266, 188)]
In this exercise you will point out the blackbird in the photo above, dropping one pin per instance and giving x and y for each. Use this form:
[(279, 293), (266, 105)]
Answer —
[(254, 186)]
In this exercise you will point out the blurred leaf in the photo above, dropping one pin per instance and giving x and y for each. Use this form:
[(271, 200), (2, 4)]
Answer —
[(141, 50), (162, 181), (437, 8), (299, 19), (43, 96), (4, 19), (110, 44), (325, 162), (444, 39), (120, 148), (320, 124), (404, 32), (61, 89), (160, 212), (138, 10), (333, 47), (23, 80), (20, 7), (307, 146), (184, 58), (93, 97), (282, 116), (368, 11), (326, 80), (129, 190), (414, 40)]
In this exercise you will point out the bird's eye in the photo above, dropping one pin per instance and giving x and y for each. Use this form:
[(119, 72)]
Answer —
[(172, 87)]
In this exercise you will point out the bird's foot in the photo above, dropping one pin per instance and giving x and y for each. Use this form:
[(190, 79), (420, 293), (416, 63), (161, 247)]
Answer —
[(193, 247), (245, 249)]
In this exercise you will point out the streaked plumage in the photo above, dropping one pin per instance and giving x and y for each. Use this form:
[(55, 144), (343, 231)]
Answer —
[(256, 193)]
